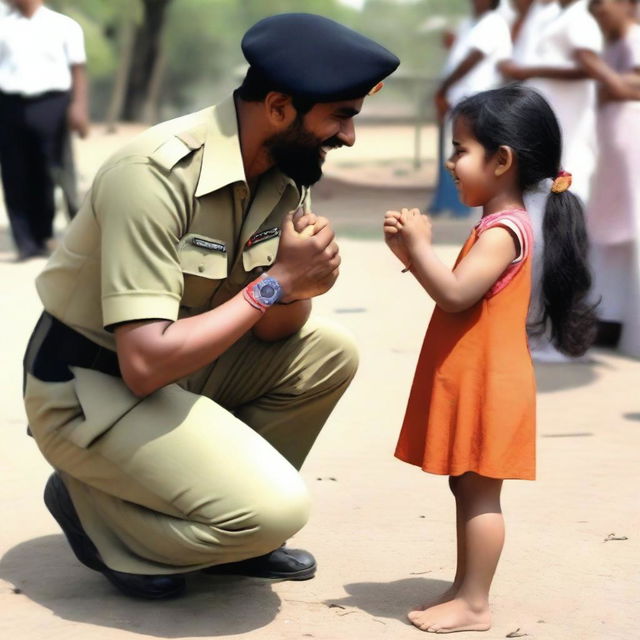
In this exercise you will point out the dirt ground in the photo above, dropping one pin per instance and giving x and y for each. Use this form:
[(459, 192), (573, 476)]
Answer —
[(383, 532)]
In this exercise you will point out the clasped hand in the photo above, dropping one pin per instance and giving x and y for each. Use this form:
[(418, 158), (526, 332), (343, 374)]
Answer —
[(405, 231), (308, 260)]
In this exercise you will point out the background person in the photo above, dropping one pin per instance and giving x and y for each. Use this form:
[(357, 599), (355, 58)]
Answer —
[(614, 207), (558, 70), (482, 40), (43, 94)]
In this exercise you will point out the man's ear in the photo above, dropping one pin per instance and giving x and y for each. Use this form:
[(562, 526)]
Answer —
[(279, 109), (504, 160)]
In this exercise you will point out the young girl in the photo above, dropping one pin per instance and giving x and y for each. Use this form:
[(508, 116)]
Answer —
[(471, 412)]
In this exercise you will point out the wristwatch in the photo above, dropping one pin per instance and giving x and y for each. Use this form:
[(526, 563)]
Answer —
[(267, 291)]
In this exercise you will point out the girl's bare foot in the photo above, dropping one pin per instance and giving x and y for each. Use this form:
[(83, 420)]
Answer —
[(452, 616), (448, 595)]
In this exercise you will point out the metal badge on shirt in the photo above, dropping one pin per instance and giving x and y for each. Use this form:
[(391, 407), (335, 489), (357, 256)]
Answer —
[(261, 236), (210, 245)]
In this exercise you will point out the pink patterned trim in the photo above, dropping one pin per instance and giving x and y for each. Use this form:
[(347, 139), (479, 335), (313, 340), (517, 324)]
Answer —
[(514, 217)]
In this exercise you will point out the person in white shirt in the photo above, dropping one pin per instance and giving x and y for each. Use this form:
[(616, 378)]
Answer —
[(558, 69), (43, 94), (531, 18), (558, 64), (481, 42)]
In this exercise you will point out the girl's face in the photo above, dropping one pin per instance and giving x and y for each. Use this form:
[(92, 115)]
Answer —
[(612, 15), (473, 173)]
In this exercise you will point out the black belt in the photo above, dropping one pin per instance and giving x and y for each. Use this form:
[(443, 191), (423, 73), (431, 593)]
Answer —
[(54, 347)]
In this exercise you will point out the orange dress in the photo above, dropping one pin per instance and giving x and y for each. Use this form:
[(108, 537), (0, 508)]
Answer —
[(472, 402)]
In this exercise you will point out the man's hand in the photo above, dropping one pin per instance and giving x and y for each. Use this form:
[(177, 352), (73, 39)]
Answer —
[(307, 261), (304, 223), (78, 119)]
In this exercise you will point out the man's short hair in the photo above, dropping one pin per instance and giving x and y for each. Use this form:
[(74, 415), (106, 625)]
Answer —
[(255, 87)]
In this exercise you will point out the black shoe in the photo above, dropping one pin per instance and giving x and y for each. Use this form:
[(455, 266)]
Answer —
[(283, 564), (58, 501)]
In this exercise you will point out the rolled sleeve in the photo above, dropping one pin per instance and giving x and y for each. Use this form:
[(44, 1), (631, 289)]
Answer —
[(142, 215)]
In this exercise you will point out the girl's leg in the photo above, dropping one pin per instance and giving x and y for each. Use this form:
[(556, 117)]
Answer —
[(483, 526), (451, 592)]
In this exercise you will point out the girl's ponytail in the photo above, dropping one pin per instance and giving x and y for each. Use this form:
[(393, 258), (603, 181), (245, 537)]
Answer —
[(566, 278), (520, 118)]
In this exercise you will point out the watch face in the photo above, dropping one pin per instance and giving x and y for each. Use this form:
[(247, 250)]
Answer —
[(268, 291)]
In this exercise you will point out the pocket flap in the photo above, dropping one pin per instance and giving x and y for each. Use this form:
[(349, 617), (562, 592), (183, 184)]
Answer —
[(202, 256), (261, 254)]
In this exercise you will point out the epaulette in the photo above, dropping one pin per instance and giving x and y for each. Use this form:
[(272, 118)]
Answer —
[(169, 153)]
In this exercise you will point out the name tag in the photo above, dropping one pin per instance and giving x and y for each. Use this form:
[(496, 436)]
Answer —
[(209, 245), (261, 236)]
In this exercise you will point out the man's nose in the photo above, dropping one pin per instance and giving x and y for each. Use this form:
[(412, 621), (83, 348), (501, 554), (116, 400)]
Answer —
[(347, 134)]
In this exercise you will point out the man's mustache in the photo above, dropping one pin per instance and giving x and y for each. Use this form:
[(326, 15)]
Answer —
[(334, 143)]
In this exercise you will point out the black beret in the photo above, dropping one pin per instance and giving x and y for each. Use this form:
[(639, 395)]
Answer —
[(316, 58)]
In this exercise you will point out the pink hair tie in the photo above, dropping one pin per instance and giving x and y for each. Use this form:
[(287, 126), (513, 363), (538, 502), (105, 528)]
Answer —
[(562, 182)]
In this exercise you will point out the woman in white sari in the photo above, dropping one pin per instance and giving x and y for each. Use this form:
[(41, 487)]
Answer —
[(613, 214)]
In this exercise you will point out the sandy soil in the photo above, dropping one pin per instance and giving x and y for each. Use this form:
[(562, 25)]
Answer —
[(383, 532)]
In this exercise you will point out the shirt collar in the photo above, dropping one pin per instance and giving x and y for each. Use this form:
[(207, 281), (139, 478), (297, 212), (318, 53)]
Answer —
[(222, 163)]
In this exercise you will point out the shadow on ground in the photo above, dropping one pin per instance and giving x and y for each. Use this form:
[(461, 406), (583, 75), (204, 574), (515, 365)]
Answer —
[(390, 599), (551, 378), (45, 571)]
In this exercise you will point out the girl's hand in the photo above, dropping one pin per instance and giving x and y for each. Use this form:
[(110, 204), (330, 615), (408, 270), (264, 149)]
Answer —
[(393, 239), (414, 229)]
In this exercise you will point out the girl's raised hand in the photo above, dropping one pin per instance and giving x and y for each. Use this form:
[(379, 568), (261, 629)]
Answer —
[(393, 239), (414, 228)]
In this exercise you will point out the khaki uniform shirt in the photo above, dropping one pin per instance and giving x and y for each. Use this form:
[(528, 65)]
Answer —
[(168, 229)]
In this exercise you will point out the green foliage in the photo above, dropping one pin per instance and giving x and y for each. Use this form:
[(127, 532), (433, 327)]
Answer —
[(202, 39)]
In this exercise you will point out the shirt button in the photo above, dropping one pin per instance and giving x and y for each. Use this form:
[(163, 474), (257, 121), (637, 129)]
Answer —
[(269, 258), (200, 268)]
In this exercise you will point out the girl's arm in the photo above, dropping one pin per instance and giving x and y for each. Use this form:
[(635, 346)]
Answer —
[(456, 290)]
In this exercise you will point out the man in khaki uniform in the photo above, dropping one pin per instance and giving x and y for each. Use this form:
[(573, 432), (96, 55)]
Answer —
[(175, 380)]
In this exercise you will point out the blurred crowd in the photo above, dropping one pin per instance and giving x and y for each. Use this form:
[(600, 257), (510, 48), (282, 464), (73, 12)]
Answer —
[(584, 57)]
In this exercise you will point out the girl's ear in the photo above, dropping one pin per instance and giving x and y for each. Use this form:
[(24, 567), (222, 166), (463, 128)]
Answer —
[(504, 159), (279, 109)]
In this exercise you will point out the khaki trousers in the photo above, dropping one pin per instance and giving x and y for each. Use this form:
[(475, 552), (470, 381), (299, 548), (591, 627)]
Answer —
[(198, 473)]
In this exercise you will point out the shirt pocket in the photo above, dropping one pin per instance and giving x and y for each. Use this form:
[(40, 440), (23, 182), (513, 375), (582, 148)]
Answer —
[(203, 262), (261, 254)]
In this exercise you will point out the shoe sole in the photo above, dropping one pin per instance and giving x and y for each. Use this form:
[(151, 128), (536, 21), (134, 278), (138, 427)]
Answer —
[(303, 574), (145, 595)]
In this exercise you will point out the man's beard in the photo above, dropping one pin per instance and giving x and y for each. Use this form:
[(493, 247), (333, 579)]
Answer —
[(297, 152)]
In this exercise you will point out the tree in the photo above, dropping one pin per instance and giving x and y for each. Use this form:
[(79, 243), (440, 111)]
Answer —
[(146, 64)]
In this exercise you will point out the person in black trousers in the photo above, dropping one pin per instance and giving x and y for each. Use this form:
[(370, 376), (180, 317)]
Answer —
[(43, 96)]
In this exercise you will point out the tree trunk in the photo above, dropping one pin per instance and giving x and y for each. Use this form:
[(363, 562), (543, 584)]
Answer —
[(121, 80), (146, 52)]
